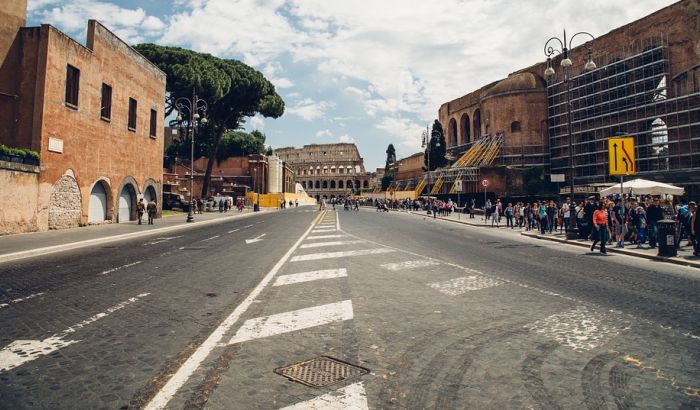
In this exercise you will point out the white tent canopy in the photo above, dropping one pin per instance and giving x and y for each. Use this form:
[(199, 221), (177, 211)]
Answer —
[(643, 187)]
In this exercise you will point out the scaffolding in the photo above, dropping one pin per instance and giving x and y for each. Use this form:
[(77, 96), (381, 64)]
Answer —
[(482, 153)]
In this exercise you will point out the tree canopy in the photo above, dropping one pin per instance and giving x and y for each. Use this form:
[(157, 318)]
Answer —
[(436, 149), (231, 89)]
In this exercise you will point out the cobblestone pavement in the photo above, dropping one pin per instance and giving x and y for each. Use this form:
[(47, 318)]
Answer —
[(442, 316)]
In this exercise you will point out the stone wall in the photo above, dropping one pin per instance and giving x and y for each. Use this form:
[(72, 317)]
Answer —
[(19, 184), (64, 204)]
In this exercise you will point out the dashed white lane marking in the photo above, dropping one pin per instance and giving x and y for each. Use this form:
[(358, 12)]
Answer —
[(349, 397), (326, 236), (18, 300), (209, 239), (581, 328), (180, 377), (458, 286), (409, 264), (291, 321), (310, 276), (329, 255), (128, 265), (161, 240), (234, 230), (332, 243), (22, 351), (248, 226)]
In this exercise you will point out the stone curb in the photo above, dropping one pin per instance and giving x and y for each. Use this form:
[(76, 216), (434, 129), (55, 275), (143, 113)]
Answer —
[(675, 261), (114, 238)]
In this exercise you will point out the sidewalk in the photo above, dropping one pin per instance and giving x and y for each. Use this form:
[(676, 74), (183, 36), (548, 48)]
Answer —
[(20, 246), (685, 254)]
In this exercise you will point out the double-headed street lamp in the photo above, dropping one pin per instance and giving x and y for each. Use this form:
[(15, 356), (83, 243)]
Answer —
[(191, 108), (426, 144), (566, 64)]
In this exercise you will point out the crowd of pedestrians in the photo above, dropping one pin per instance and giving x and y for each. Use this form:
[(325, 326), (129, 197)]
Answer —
[(609, 221)]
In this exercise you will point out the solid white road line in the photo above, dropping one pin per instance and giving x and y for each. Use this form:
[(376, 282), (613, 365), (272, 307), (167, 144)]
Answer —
[(326, 236), (295, 320), (235, 230), (409, 264), (332, 243), (349, 397), (18, 300), (120, 267), (161, 399), (22, 351), (311, 275), (329, 255)]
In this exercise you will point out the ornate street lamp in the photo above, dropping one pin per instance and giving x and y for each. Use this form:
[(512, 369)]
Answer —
[(566, 64), (188, 110)]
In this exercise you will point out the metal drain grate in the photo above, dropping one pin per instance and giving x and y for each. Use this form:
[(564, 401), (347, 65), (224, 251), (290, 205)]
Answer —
[(321, 371)]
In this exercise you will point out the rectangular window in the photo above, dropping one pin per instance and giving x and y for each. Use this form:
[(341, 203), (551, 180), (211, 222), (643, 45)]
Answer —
[(106, 105), (132, 114), (154, 121), (72, 86)]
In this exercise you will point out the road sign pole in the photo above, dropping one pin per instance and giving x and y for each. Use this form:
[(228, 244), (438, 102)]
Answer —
[(485, 210)]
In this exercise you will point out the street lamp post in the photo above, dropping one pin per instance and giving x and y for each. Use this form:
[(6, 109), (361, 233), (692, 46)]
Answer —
[(566, 63), (191, 108)]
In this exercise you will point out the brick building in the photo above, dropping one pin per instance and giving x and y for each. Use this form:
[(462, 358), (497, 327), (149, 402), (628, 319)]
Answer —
[(327, 170), (646, 85), (94, 113)]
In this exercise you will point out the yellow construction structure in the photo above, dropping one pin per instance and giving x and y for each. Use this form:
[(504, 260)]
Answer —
[(482, 153), (437, 186), (421, 186), (453, 188)]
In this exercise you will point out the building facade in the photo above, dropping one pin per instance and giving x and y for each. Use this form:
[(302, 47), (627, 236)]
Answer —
[(646, 85), (327, 170), (94, 113)]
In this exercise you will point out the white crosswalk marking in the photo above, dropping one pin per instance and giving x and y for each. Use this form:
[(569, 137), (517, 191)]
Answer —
[(409, 264), (326, 236), (311, 275), (329, 255), (295, 320), (323, 230), (458, 286), (349, 397), (332, 243)]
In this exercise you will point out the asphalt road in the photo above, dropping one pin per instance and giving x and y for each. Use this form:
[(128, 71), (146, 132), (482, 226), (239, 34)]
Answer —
[(440, 315)]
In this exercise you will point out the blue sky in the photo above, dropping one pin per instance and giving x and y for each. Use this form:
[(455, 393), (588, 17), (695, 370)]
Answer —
[(373, 72)]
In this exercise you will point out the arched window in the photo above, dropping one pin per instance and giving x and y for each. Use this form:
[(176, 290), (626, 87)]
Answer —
[(515, 126), (452, 140), (318, 184), (340, 183), (365, 184), (303, 184), (325, 184), (332, 184), (465, 126), (477, 124)]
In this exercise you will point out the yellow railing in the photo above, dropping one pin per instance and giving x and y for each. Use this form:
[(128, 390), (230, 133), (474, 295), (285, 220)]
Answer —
[(421, 186), (437, 186)]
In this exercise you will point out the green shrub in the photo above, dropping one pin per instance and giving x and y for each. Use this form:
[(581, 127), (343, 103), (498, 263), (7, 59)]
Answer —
[(18, 152)]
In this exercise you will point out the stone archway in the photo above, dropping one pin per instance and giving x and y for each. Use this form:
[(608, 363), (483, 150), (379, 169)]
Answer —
[(150, 194), (97, 206), (65, 204), (127, 204)]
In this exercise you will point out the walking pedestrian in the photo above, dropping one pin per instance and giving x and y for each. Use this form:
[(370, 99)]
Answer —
[(151, 209), (600, 227), (140, 208)]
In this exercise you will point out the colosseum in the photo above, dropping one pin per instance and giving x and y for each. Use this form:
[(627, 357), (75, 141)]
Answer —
[(327, 170)]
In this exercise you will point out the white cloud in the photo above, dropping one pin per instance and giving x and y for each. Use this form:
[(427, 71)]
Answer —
[(131, 25), (309, 109), (324, 133), (346, 138), (404, 133), (257, 123)]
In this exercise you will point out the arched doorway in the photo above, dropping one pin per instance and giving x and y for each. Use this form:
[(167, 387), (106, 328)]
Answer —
[(127, 204), (477, 124), (465, 125), (149, 194), (97, 207), (65, 204)]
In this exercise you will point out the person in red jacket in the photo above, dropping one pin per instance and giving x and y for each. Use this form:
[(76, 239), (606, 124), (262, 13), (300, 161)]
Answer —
[(600, 224)]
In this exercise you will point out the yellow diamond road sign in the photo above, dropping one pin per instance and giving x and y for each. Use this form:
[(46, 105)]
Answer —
[(621, 156)]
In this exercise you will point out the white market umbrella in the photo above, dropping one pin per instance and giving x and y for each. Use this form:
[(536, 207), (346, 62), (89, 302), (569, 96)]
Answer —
[(643, 187)]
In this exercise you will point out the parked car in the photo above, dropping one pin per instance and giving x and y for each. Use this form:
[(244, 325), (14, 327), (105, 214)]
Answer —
[(172, 200)]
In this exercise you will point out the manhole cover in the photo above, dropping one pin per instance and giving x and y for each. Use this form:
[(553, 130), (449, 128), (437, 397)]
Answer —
[(321, 371)]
